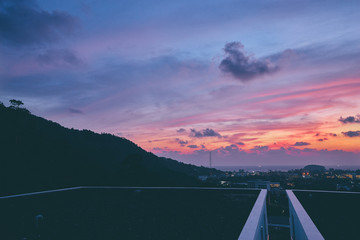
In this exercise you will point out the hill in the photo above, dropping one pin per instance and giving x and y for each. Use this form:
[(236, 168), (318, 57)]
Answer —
[(315, 168), (38, 154)]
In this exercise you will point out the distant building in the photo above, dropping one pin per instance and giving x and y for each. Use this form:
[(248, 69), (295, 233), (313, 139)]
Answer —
[(274, 185), (263, 184), (315, 168), (348, 175), (225, 183)]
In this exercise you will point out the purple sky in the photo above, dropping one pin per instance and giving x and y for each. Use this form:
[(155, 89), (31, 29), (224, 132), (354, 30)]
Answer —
[(255, 82)]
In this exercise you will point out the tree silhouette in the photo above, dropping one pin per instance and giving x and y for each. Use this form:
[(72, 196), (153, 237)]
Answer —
[(15, 103)]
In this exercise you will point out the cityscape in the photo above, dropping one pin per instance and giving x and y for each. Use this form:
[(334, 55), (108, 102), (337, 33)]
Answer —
[(310, 177)]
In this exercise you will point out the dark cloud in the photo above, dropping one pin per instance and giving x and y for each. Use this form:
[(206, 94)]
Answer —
[(309, 150), (231, 148), (326, 135), (204, 133), (75, 111), (240, 143), (350, 119), (59, 57), (260, 148), (23, 23), (192, 146), (165, 150), (158, 149), (352, 133), (195, 133), (181, 130), (242, 66), (181, 142), (301, 144)]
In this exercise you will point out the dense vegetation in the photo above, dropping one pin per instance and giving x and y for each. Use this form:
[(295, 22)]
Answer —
[(37, 154)]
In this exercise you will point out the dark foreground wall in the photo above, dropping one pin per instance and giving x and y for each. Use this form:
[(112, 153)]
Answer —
[(101, 214)]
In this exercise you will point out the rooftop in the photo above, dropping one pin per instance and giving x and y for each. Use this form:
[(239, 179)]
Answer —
[(136, 213), (335, 214)]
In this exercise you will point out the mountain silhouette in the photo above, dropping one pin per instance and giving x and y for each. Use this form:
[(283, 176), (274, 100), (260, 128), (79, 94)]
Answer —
[(37, 154)]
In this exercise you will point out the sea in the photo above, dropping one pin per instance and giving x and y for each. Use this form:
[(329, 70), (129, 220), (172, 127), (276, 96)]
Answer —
[(278, 168)]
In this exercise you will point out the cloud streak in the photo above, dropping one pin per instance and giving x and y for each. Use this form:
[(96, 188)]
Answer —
[(75, 111), (59, 57)]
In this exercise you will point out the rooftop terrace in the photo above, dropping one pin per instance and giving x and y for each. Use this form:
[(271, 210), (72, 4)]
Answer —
[(127, 213), (335, 214)]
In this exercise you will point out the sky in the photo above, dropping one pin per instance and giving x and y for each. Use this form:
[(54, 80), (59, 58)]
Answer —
[(254, 82)]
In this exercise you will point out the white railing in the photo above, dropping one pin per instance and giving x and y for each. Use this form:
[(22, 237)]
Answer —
[(114, 187), (301, 225), (256, 226)]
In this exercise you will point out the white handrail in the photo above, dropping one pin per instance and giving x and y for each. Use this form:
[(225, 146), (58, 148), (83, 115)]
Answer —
[(256, 227), (119, 187), (301, 225)]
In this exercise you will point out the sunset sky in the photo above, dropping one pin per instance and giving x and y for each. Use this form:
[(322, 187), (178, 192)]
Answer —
[(268, 82)]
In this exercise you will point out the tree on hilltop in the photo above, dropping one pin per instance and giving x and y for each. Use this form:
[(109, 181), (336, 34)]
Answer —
[(15, 103)]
